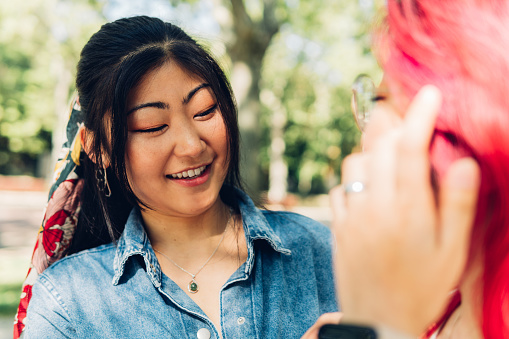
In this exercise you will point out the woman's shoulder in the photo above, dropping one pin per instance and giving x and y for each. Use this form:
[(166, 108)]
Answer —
[(294, 220), (282, 221), (97, 260), (291, 225)]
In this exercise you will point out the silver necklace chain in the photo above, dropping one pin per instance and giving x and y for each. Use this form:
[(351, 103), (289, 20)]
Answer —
[(193, 276)]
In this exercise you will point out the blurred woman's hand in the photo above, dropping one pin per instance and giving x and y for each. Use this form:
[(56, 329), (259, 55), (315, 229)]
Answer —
[(326, 318), (399, 250)]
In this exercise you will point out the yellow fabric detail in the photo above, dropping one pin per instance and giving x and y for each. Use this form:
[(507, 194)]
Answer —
[(76, 150), (58, 166)]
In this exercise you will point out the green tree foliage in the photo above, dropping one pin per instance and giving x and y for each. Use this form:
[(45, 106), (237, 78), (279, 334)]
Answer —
[(40, 42), (310, 67)]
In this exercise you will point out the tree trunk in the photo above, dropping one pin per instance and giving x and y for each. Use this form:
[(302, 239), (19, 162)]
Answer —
[(251, 40)]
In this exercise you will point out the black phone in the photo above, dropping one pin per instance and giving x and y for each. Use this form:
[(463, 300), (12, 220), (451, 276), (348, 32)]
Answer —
[(344, 331)]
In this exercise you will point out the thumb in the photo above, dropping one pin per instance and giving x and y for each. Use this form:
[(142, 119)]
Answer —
[(457, 206)]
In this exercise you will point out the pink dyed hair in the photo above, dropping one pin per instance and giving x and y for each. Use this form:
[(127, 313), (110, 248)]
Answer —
[(462, 47)]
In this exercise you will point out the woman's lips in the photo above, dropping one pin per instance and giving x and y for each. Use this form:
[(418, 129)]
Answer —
[(193, 181), (195, 172)]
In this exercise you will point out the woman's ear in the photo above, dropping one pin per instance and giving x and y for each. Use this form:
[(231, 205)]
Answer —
[(86, 139)]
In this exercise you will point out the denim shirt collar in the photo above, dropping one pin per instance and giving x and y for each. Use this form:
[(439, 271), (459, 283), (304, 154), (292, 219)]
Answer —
[(134, 240), (256, 225)]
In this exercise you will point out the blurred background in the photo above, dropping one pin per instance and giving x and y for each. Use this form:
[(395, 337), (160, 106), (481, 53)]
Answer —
[(291, 64)]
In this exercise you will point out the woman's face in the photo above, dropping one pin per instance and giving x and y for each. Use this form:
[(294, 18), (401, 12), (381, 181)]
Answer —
[(388, 113), (176, 152)]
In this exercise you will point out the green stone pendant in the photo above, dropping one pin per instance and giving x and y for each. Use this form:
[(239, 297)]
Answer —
[(193, 286)]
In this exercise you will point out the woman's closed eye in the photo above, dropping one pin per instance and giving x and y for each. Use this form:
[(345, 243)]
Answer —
[(201, 116), (378, 98), (205, 113), (151, 130)]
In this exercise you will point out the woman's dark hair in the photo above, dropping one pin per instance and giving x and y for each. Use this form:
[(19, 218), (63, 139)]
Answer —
[(112, 63)]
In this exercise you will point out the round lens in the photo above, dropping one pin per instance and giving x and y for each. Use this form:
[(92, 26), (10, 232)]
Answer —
[(363, 90)]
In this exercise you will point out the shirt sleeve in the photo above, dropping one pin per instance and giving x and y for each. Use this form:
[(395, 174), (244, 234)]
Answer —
[(47, 315)]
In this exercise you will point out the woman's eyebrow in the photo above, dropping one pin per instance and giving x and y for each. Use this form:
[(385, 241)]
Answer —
[(193, 92), (158, 104), (162, 105)]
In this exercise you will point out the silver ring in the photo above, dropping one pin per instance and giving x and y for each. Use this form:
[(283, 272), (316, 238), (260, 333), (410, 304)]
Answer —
[(354, 187)]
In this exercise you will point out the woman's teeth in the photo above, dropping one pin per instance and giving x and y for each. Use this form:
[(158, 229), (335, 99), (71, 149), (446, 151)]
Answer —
[(190, 173)]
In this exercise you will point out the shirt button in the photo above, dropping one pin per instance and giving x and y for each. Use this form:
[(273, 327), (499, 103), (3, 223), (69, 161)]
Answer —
[(153, 268), (203, 333), (241, 320)]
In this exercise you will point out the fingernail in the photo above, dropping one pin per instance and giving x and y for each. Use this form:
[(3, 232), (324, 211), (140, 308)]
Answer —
[(429, 92)]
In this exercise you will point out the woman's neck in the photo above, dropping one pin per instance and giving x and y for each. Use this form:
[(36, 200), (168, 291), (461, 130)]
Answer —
[(465, 322), (179, 233)]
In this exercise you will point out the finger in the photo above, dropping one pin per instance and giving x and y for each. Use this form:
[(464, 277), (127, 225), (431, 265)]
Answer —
[(352, 167), (420, 118), (457, 208), (327, 318), (354, 170), (382, 171), (338, 206), (339, 216), (418, 127), (413, 170)]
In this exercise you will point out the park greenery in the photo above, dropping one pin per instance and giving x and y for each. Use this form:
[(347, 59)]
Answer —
[(291, 63), (9, 298)]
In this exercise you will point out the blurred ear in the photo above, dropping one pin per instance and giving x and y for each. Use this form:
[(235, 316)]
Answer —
[(86, 139)]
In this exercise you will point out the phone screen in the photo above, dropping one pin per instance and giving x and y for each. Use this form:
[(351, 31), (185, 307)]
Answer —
[(343, 331)]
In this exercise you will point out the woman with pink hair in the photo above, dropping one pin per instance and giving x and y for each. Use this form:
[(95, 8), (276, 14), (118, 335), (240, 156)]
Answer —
[(422, 219)]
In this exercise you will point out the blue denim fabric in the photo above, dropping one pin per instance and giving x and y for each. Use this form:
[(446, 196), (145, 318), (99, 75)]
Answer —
[(120, 292)]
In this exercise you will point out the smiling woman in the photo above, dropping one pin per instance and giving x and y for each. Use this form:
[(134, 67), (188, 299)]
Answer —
[(148, 210), (175, 128)]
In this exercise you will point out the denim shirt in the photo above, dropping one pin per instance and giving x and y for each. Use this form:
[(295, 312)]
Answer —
[(119, 291)]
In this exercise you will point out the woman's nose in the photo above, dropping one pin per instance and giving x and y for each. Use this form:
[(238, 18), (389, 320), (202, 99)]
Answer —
[(188, 141)]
